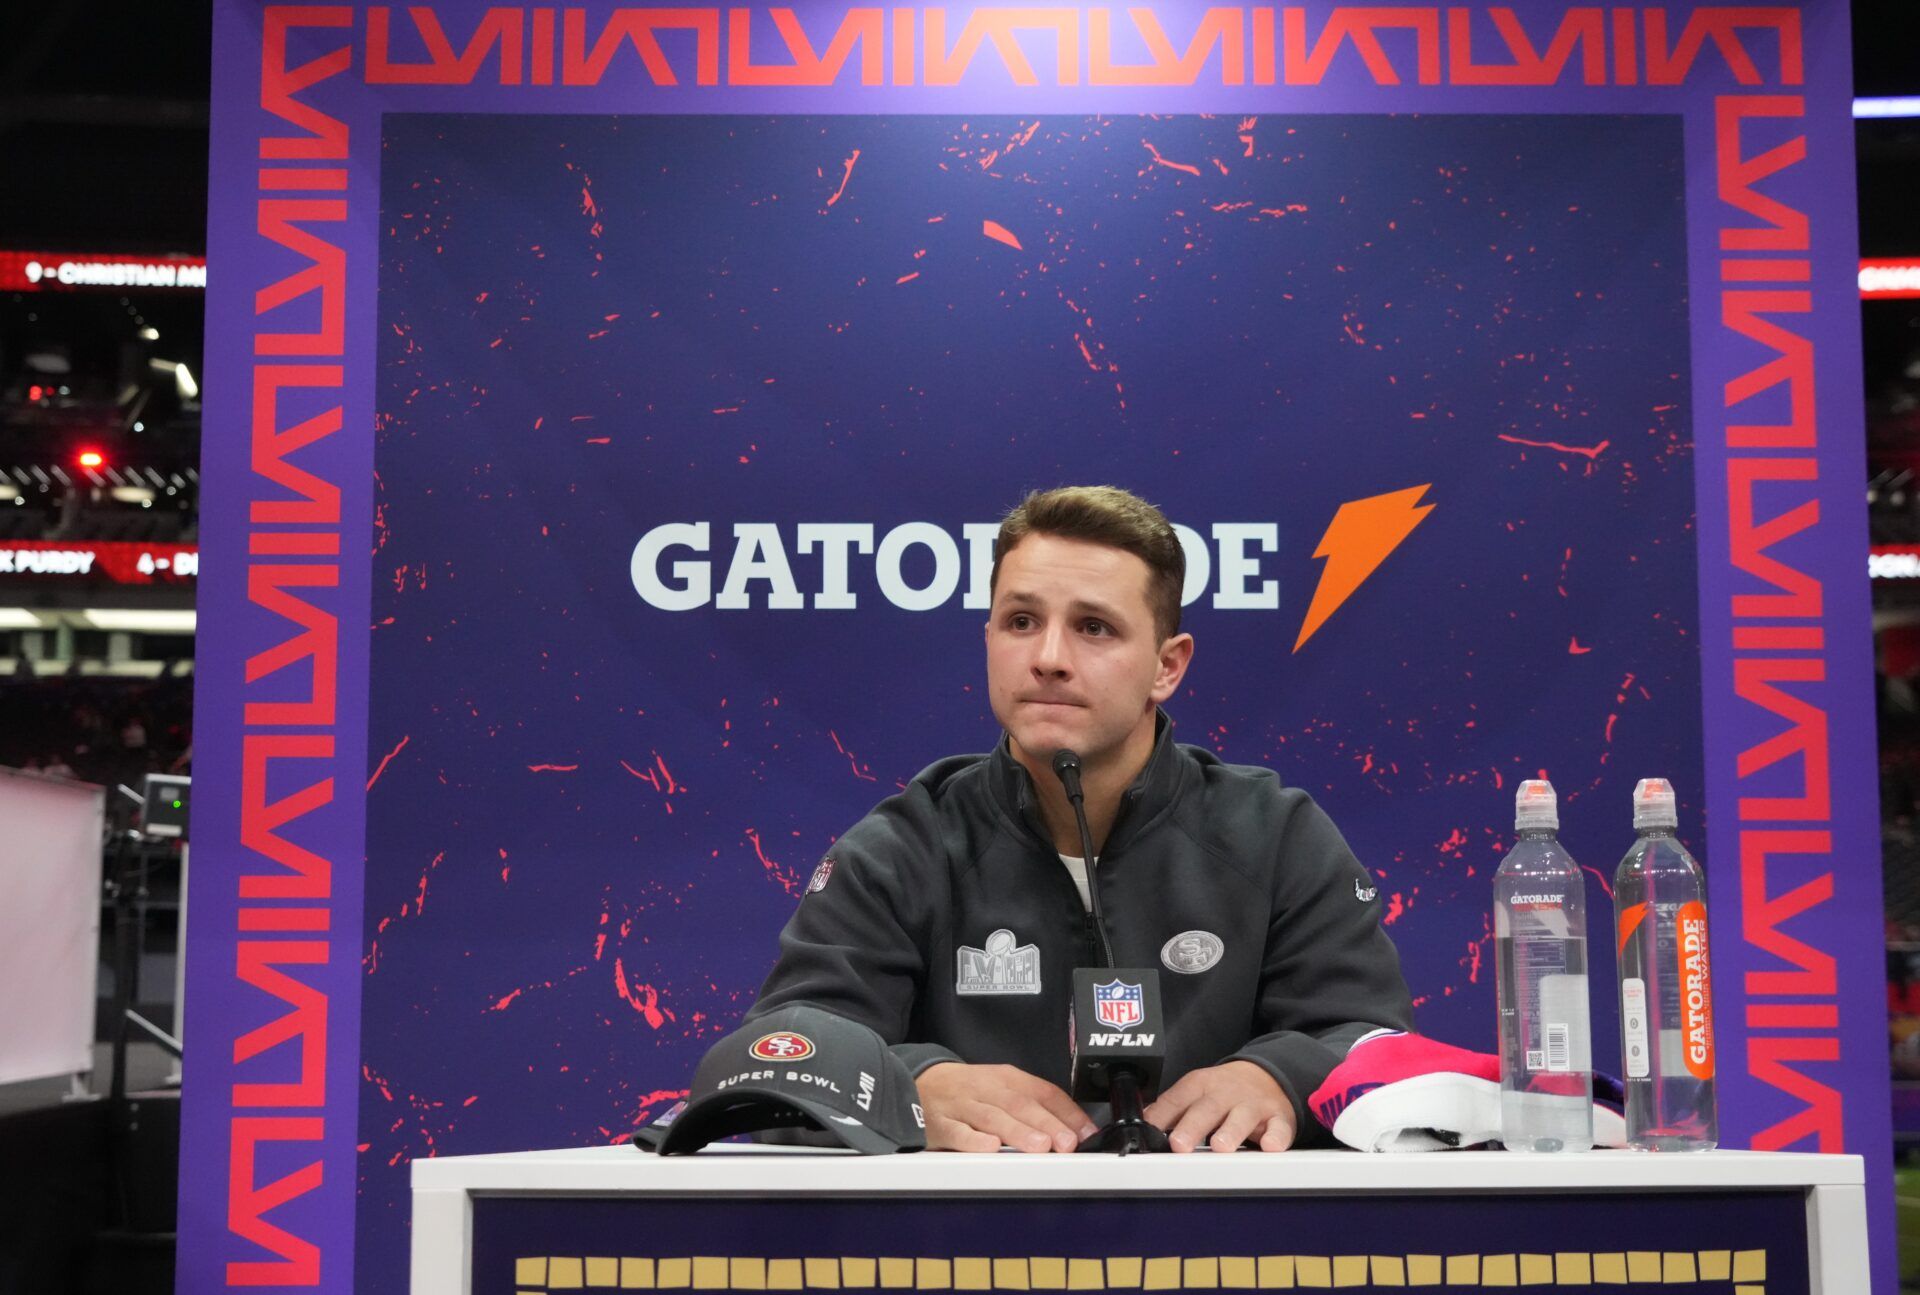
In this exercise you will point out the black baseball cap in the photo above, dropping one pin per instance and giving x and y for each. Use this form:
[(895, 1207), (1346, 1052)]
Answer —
[(796, 1067)]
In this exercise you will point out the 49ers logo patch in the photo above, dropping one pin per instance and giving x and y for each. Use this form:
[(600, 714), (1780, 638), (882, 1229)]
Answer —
[(784, 1045)]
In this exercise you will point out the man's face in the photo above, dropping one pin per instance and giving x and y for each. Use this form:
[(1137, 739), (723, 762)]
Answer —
[(1073, 658)]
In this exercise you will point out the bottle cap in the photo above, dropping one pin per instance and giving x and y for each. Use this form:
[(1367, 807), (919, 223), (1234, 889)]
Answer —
[(1653, 804), (1535, 806)]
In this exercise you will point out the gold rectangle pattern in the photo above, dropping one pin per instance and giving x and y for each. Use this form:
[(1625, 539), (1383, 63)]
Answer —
[(973, 1274), (1162, 1274), (1047, 1274), (1158, 1273), (1276, 1272)]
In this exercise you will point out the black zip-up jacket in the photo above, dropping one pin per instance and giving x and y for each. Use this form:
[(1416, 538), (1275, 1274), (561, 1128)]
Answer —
[(945, 921)]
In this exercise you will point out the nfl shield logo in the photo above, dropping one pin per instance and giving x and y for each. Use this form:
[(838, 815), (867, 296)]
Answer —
[(1118, 1005)]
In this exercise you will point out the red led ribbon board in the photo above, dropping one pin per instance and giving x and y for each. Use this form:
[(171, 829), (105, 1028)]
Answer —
[(35, 562), (99, 271)]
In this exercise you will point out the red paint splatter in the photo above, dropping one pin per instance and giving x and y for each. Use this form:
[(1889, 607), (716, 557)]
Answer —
[(788, 880), (1590, 451), (552, 768), (1158, 160), (859, 770), (845, 176), (1574, 648), (1000, 234), (388, 758), (644, 999)]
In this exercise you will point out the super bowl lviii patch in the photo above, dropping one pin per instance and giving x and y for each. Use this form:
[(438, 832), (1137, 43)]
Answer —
[(1005, 966)]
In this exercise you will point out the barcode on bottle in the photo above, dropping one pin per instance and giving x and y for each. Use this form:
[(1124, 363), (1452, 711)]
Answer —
[(1559, 1054)]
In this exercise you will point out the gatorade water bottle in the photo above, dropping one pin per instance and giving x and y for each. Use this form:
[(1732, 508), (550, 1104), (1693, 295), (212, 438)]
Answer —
[(1540, 942), (1666, 988)]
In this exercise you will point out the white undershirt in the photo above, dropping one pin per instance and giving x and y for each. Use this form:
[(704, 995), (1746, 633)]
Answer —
[(1077, 869)]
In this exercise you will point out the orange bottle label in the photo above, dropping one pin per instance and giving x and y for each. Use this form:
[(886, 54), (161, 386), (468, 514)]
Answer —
[(1696, 991)]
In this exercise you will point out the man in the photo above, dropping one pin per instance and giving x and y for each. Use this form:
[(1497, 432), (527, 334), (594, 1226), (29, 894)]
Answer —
[(950, 918)]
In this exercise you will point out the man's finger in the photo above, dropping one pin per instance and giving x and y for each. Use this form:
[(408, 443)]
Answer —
[(1003, 1124), (1201, 1119), (1172, 1104), (1233, 1130), (1280, 1132), (1064, 1109), (948, 1134), (1035, 1115)]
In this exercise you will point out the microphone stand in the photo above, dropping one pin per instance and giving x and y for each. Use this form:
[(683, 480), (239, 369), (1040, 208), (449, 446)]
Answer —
[(1129, 1131)]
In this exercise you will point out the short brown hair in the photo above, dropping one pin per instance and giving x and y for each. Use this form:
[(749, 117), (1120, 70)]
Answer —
[(1111, 516)]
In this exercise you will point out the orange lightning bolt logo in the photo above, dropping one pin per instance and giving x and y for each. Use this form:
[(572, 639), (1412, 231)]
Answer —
[(1357, 541)]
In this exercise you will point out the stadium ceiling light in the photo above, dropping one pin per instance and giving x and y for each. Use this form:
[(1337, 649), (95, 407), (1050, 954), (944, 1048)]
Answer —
[(139, 622), (18, 618), (1888, 106)]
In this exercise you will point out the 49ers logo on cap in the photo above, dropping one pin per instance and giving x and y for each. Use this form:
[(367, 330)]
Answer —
[(782, 1046)]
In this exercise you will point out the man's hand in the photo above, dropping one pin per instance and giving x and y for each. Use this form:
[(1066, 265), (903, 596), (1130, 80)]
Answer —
[(1225, 1105), (979, 1108)]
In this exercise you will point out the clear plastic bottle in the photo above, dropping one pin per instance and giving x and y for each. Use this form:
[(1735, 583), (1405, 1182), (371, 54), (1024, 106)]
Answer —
[(1666, 985), (1540, 942)]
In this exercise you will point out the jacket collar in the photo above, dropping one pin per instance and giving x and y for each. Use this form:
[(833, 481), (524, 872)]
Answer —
[(1150, 795)]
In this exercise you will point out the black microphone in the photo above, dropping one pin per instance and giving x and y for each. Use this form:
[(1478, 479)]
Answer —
[(1118, 1040), (1066, 767)]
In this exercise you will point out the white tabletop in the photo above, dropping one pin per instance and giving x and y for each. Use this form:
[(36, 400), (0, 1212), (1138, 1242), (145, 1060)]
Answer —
[(763, 1171)]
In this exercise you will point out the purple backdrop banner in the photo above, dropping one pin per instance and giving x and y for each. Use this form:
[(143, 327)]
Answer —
[(609, 413)]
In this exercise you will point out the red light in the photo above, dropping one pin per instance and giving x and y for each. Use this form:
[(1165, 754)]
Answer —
[(35, 392), (92, 459)]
